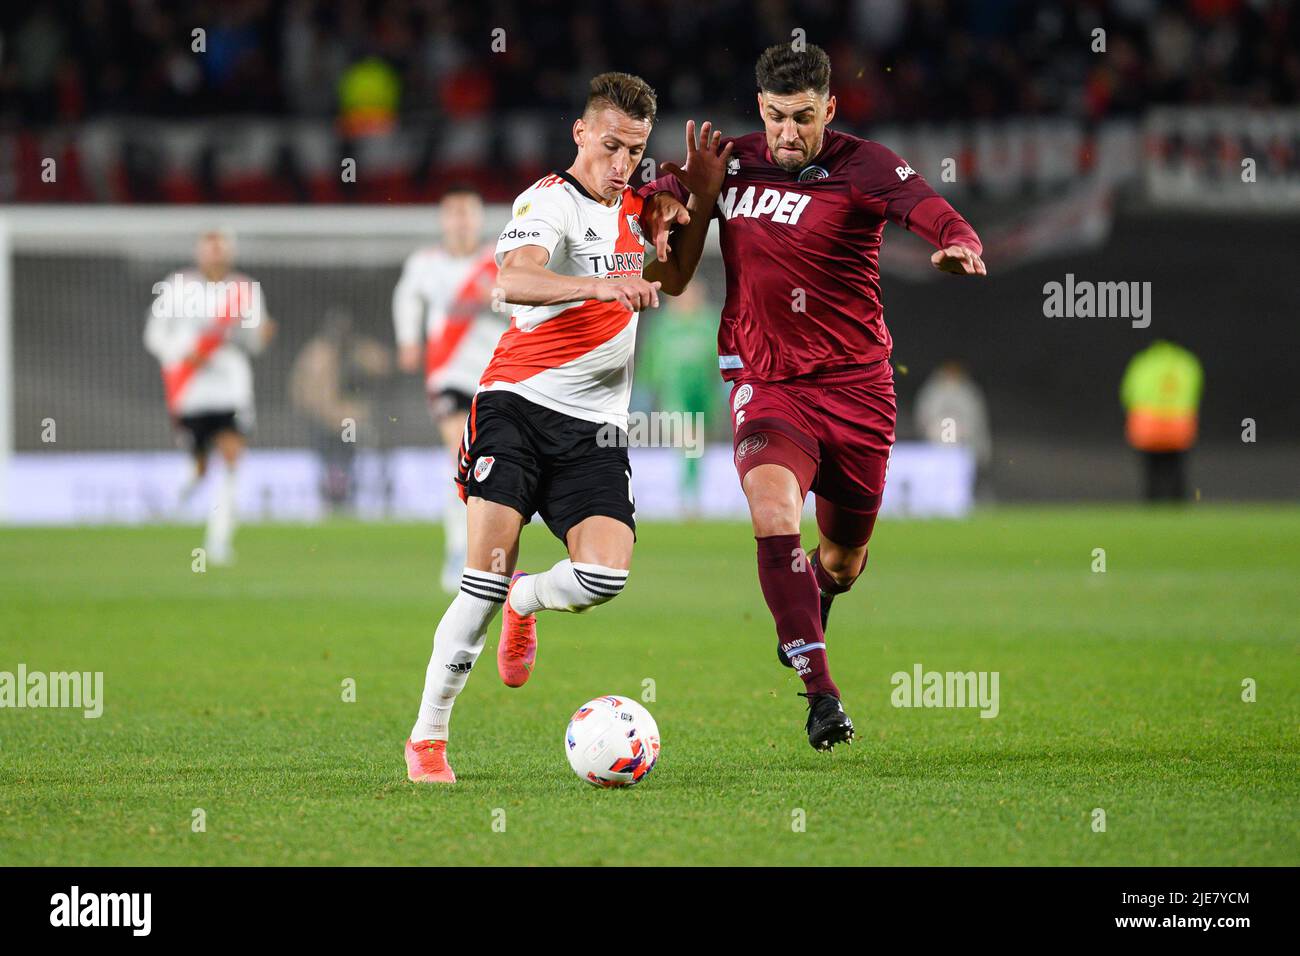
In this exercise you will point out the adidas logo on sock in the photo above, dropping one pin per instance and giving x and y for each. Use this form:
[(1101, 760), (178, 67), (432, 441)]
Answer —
[(591, 235)]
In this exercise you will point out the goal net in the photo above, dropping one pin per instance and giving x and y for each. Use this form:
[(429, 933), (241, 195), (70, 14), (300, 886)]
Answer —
[(85, 436)]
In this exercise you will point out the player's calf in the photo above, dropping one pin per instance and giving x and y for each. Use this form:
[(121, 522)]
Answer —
[(457, 644), (568, 586), (831, 584), (841, 555)]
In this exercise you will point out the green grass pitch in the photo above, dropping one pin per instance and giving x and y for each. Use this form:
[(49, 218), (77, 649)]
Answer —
[(223, 692)]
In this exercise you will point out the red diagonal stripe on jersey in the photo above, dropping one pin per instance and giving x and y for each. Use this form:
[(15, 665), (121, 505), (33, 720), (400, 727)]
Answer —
[(574, 332), (474, 291), (176, 377)]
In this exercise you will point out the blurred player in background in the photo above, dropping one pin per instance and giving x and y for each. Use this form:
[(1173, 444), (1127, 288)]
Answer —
[(331, 383), (679, 365), (950, 410), (204, 324), (573, 262), (443, 301), (800, 216)]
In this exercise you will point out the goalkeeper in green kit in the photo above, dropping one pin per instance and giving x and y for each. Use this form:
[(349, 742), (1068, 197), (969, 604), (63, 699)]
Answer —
[(680, 366)]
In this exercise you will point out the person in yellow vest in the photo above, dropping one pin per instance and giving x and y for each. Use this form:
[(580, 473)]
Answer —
[(369, 92), (1161, 392)]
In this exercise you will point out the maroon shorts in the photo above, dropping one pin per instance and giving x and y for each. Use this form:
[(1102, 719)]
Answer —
[(833, 430)]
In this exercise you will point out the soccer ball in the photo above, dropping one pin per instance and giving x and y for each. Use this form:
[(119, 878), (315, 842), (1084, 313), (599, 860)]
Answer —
[(612, 742)]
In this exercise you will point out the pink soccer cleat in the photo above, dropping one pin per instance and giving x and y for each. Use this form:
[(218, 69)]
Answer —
[(517, 650), (426, 762)]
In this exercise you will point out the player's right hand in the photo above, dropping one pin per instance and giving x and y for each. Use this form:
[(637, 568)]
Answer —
[(632, 292), (959, 260), (657, 217), (706, 163)]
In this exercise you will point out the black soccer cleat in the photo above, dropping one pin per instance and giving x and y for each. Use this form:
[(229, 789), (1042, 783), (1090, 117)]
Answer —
[(827, 725)]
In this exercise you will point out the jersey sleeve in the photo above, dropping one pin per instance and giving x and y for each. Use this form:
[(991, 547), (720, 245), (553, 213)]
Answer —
[(541, 218), (667, 183), (887, 183), (408, 304), (164, 338), (246, 331), (167, 337), (895, 191)]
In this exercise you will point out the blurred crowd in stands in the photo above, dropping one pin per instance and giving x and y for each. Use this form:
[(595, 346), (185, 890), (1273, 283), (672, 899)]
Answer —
[(369, 67)]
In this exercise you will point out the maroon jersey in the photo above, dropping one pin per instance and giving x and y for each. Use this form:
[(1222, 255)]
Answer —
[(801, 253)]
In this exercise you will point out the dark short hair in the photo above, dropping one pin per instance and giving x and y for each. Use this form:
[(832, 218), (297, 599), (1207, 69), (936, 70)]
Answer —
[(624, 92), (462, 188), (782, 69)]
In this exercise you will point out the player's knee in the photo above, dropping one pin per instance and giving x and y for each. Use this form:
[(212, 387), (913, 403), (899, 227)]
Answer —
[(774, 511), (597, 584), (842, 565), (775, 501)]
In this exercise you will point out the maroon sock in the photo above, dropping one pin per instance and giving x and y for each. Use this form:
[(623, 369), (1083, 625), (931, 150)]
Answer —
[(785, 575)]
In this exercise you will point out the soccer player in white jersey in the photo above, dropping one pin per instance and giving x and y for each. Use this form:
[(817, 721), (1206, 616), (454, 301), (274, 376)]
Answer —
[(572, 262), (443, 301), (204, 324)]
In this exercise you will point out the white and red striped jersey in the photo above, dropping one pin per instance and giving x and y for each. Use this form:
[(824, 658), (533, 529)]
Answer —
[(575, 357), (447, 299), (202, 334)]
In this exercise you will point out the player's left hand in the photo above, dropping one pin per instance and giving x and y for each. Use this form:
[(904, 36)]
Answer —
[(657, 217), (706, 163), (959, 260)]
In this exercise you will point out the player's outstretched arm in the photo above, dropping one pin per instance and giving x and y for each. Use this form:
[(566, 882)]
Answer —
[(408, 315), (706, 167), (959, 248), (898, 193), (525, 280)]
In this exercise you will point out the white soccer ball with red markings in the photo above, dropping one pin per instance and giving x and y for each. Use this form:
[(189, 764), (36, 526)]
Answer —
[(612, 742)]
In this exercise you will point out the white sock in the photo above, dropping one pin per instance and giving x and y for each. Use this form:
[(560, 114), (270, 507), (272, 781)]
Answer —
[(567, 587), (456, 646), (191, 485), (221, 518)]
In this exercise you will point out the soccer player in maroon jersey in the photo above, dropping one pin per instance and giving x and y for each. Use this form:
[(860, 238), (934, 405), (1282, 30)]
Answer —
[(803, 339)]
